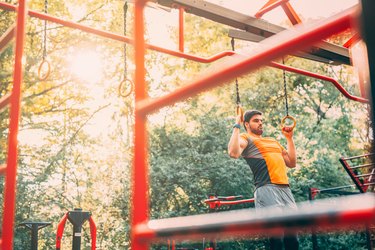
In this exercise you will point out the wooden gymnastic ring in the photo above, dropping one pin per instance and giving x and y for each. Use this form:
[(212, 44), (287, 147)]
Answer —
[(44, 62), (122, 83), (288, 117)]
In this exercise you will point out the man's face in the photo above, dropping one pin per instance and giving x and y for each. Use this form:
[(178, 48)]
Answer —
[(255, 125)]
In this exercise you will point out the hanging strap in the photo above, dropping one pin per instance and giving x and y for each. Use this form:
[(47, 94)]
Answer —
[(286, 105), (239, 110), (238, 100), (44, 65), (126, 80), (285, 92), (45, 31), (125, 47)]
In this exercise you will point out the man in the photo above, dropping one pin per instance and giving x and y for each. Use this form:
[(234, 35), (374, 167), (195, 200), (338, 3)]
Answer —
[(268, 161)]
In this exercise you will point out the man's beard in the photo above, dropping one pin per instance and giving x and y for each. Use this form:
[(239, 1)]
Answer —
[(258, 131)]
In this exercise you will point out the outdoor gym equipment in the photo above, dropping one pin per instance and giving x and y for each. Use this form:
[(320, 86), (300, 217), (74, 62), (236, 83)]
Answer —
[(34, 227), (77, 217), (280, 45)]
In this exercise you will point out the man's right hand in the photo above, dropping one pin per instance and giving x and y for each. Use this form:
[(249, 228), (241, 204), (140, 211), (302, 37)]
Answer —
[(239, 119)]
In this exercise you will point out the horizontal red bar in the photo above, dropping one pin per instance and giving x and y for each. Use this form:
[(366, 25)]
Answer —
[(274, 48), (334, 215), (321, 77), (116, 37)]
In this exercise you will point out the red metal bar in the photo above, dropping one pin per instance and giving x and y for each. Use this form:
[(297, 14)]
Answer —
[(355, 38), (277, 46), (4, 101), (352, 175), (218, 203), (270, 5), (357, 156), (181, 22), (93, 233), (338, 213), (11, 170), (139, 194), (291, 13), (117, 37), (321, 77), (7, 37), (3, 168), (60, 231)]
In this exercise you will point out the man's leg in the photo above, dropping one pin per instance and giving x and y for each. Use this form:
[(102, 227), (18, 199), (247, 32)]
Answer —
[(291, 242), (276, 243)]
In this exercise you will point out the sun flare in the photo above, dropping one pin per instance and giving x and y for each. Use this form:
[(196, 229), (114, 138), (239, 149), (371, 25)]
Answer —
[(86, 65)]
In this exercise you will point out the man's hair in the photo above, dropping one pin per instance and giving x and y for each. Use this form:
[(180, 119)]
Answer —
[(248, 114)]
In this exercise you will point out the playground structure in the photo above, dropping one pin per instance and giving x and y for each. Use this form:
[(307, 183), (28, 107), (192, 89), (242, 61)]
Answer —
[(144, 232)]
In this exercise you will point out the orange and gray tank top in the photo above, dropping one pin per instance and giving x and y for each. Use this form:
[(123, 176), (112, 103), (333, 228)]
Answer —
[(264, 156)]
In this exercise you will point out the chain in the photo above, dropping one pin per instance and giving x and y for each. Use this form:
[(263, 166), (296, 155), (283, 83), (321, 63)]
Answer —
[(45, 31), (286, 93), (238, 100), (125, 21)]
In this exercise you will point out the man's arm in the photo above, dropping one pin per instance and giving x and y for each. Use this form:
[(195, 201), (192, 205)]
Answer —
[(289, 156), (236, 144)]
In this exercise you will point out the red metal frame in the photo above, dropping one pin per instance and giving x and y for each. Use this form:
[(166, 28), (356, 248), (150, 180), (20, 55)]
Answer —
[(11, 169), (361, 185), (216, 202), (139, 196), (141, 234), (4, 101), (60, 231), (321, 77), (7, 37), (116, 37), (92, 233), (278, 46), (339, 213), (61, 226), (287, 7)]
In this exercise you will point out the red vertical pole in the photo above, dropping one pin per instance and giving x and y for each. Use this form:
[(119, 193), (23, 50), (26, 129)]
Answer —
[(11, 171), (181, 29), (139, 209)]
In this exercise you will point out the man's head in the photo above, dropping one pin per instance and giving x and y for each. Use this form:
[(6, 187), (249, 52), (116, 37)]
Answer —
[(253, 121)]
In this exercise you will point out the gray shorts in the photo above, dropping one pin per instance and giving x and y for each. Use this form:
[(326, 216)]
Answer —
[(271, 195)]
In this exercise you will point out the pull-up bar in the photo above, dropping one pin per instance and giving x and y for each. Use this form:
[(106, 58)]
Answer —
[(321, 77), (275, 47), (116, 37)]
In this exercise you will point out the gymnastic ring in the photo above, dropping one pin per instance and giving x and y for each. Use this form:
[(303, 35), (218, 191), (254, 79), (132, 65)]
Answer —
[(41, 77), (290, 118), (122, 83), (239, 111)]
